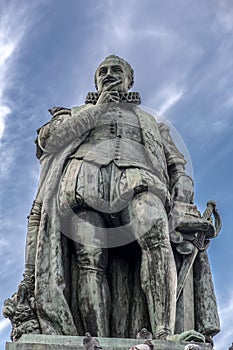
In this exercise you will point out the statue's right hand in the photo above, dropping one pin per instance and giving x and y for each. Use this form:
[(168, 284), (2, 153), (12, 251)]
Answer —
[(108, 93)]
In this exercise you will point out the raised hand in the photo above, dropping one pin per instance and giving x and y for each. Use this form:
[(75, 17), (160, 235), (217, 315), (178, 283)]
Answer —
[(108, 93)]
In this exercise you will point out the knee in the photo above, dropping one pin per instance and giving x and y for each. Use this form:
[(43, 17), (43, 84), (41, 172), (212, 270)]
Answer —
[(147, 207), (87, 228), (151, 217), (87, 218), (91, 259), (158, 233)]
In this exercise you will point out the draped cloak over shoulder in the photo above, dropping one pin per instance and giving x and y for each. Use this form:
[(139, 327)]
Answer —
[(56, 274)]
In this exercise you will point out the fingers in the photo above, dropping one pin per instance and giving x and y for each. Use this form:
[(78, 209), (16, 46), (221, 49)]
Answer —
[(108, 96), (182, 191), (178, 194), (112, 96), (112, 85), (182, 195)]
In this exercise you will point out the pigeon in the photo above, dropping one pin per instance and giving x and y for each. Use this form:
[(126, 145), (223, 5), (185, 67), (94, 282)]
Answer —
[(90, 343), (192, 347), (144, 334), (147, 345)]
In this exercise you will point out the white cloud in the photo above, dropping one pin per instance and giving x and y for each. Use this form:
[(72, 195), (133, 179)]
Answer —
[(15, 23), (4, 111), (225, 337), (4, 324), (8, 43), (3, 243), (124, 31), (224, 14), (6, 48), (165, 98), (7, 158), (119, 28), (170, 97), (229, 102), (16, 20)]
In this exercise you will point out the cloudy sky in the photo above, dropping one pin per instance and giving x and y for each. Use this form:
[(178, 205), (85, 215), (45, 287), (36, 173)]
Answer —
[(181, 51)]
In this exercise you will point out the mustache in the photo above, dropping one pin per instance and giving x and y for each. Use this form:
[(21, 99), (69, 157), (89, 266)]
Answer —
[(109, 79)]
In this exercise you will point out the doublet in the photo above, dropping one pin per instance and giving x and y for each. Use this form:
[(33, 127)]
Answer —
[(112, 163), (117, 138)]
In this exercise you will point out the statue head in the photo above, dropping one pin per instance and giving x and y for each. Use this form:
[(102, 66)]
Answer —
[(114, 68)]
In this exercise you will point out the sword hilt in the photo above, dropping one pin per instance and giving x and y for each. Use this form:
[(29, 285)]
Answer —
[(199, 245), (211, 207)]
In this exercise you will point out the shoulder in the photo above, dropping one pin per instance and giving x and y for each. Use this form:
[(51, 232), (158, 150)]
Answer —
[(144, 115), (77, 109), (57, 111), (164, 129), (62, 112)]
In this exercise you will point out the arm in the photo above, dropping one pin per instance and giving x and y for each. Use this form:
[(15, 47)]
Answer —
[(66, 126), (180, 185)]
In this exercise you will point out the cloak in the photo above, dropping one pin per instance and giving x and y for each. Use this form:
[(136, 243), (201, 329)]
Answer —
[(50, 252)]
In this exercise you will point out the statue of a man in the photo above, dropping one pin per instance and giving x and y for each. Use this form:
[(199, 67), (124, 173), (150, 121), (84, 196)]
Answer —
[(98, 237)]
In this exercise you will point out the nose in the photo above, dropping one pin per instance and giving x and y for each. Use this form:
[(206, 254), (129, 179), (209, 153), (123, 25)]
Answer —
[(109, 71)]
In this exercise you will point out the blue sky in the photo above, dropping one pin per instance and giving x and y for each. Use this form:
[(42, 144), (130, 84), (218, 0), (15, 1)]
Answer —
[(181, 51)]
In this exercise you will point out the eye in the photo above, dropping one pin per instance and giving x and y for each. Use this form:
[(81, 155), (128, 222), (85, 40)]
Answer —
[(102, 71), (117, 69)]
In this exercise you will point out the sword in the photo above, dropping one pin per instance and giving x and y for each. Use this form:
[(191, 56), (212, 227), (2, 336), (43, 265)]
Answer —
[(199, 245)]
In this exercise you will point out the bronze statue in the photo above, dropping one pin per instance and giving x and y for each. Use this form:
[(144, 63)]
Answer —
[(99, 257)]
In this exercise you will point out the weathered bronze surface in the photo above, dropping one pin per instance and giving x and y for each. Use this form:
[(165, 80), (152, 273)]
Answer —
[(114, 242)]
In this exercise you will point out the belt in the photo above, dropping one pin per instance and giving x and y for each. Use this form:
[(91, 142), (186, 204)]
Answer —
[(104, 132)]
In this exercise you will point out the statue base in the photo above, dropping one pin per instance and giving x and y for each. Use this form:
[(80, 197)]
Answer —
[(61, 342)]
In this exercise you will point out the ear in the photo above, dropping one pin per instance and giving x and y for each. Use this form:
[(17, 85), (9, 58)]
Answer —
[(131, 82), (130, 85)]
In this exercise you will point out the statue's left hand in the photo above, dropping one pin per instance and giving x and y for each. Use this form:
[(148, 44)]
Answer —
[(10, 306), (182, 190)]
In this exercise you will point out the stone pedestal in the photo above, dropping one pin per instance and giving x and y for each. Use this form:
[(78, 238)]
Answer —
[(59, 342)]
